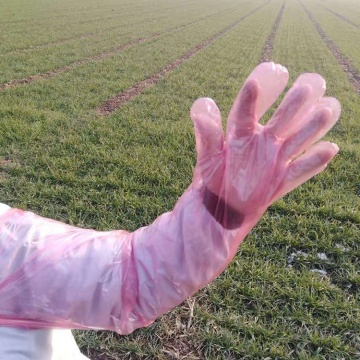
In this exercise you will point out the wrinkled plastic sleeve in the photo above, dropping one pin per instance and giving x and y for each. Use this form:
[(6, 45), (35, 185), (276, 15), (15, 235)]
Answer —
[(56, 275)]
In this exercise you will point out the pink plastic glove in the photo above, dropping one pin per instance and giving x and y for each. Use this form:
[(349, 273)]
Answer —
[(56, 275), (255, 165)]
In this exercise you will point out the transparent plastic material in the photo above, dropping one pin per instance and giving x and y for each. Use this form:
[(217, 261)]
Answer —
[(57, 276)]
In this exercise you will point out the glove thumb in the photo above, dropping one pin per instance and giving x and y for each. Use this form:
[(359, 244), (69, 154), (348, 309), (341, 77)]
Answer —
[(208, 129)]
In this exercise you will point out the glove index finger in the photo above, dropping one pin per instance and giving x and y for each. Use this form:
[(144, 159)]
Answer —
[(272, 80), (243, 118)]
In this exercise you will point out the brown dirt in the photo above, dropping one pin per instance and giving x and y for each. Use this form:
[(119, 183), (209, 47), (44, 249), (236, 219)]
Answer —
[(101, 56), (340, 16), (268, 48), (350, 70), (117, 101)]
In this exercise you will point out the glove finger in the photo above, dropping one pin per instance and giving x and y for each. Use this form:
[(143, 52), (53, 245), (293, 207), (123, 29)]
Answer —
[(311, 163), (208, 128), (272, 79), (242, 118), (321, 121), (298, 103)]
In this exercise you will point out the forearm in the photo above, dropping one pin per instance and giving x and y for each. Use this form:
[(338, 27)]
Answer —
[(181, 252), (53, 274), (68, 277)]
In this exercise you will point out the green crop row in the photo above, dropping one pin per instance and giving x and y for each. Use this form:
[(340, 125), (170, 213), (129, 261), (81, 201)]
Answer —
[(96, 81), (15, 66), (344, 35), (37, 17), (24, 35), (350, 9), (304, 51)]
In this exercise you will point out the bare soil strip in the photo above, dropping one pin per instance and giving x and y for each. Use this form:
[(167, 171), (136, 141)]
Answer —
[(350, 70), (117, 101), (340, 16), (268, 48), (101, 56)]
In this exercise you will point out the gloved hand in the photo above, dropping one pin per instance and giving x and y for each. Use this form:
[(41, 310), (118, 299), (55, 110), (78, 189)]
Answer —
[(56, 275), (253, 165)]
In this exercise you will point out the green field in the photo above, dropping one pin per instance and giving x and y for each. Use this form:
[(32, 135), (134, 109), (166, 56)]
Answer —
[(61, 60)]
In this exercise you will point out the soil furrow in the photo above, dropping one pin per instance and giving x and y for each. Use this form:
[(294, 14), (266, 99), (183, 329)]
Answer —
[(350, 70), (340, 16), (268, 48), (119, 100), (101, 56)]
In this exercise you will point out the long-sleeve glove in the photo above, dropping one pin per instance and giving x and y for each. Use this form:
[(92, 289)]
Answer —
[(56, 275)]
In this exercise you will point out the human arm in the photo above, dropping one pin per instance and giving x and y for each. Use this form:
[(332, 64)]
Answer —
[(62, 276)]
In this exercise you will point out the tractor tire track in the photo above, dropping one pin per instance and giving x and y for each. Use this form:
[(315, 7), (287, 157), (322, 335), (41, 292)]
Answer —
[(119, 100), (268, 48), (341, 17), (348, 67), (101, 56)]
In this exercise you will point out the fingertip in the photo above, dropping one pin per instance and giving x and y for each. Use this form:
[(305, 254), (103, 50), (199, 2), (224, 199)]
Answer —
[(205, 107), (335, 147), (199, 105), (283, 70), (282, 73), (325, 151), (315, 81), (334, 105), (270, 67)]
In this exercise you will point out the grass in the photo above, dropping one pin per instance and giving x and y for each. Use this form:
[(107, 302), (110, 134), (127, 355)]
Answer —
[(348, 8), (62, 160), (80, 18), (38, 60), (344, 35)]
